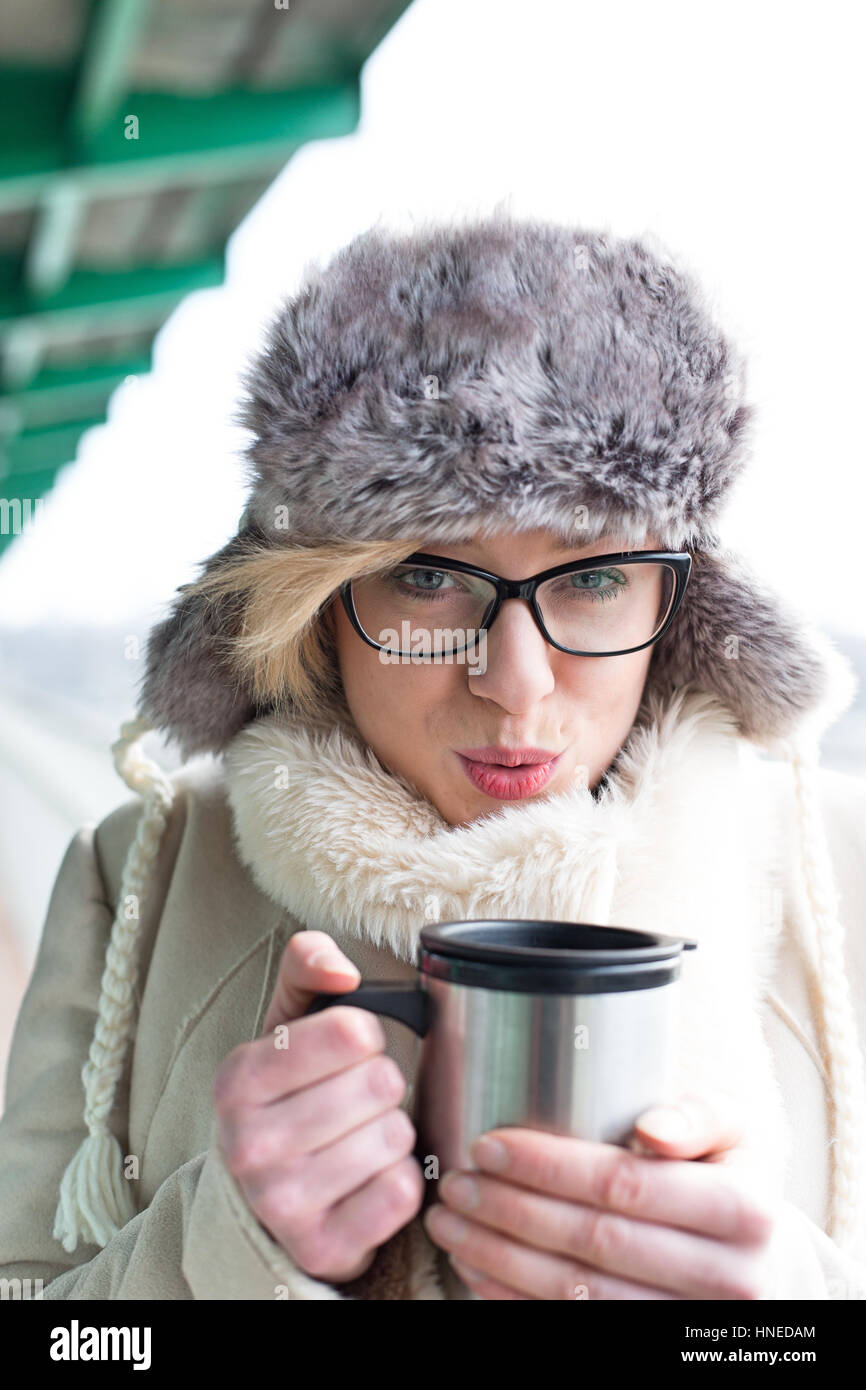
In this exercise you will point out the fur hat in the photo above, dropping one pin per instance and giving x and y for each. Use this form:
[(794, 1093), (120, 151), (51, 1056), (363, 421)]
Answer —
[(503, 373)]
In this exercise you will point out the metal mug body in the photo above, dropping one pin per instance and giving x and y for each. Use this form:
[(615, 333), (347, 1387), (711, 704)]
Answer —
[(585, 1065)]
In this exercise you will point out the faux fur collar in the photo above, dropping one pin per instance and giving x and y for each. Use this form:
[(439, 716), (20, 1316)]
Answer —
[(680, 839)]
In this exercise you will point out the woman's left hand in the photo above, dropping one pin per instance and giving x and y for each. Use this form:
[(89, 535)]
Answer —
[(568, 1218)]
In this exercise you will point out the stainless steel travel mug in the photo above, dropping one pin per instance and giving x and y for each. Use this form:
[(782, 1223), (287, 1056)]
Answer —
[(559, 1026)]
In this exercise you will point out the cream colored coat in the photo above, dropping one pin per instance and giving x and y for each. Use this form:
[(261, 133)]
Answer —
[(241, 867)]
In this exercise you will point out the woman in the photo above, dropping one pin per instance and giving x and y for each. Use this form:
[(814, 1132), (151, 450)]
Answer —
[(433, 415)]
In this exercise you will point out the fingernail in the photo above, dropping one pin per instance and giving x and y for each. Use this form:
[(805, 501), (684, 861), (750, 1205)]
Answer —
[(490, 1153), (332, 964), (459, 1190), (666, 1122), (445, 1226)]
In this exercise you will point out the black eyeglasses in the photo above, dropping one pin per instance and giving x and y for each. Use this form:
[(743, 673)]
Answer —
[(604, 605)]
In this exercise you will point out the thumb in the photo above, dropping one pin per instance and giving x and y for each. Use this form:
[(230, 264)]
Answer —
[(312, 964), (693, 1126)]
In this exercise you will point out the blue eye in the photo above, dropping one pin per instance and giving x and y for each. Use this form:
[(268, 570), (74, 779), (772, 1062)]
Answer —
[(412, 576), (415, 581), (591, 582)]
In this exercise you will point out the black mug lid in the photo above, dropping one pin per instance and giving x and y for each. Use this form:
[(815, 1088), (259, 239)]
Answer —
[(545, 957)]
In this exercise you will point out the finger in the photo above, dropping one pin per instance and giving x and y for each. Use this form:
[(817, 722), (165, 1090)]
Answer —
[(290, 1128), (694, 1197), (364, 1220), (642, 1251), (316, 1181), (320, 1046), (312, 964), (533, 1272), (486, 1287), (694, 1126)]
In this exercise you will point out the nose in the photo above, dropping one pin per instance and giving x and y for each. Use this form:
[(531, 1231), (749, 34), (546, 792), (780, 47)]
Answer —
[(517, 671)]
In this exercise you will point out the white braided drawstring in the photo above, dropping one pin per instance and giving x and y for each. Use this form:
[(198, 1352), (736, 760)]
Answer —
[(843, 1056), (95, 1197)]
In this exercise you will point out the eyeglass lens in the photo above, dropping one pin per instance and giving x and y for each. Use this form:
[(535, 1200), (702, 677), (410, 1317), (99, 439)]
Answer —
[(610, 609)]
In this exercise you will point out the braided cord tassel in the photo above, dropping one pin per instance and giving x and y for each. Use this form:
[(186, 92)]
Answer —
[(95, 1199), (845, 1063)]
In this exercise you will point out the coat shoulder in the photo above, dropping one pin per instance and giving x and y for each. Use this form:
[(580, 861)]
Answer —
[(200, 807)]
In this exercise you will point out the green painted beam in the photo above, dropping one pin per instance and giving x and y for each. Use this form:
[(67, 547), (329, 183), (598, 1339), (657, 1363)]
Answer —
[(97, 298), (169, 124), (23, 350), (113, 31), (66, 394), (151, 175), (51, 249), (180, 138), (29, 466), (28, 486), (34, 452), (21, 502), (33, 143)]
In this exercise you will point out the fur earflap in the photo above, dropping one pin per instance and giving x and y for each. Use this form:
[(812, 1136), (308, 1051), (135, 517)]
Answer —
[(769, 666), (188, 688)]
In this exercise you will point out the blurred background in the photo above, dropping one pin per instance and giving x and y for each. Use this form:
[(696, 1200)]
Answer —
[(168, 167)]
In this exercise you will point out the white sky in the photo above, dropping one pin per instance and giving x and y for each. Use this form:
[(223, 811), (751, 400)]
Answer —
[(732, 133)]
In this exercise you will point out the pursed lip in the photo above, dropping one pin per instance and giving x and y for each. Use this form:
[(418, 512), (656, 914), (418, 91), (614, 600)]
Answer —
[(507, 757), (519, 779)]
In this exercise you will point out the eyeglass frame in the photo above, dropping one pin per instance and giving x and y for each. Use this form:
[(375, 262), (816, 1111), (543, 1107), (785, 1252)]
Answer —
[(679, 561)]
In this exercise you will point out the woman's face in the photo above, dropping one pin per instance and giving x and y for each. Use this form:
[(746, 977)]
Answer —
[(417, 717)]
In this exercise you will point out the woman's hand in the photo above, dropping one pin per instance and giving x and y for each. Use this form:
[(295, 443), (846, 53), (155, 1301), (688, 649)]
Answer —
[(567, 1218), (309, 1122)]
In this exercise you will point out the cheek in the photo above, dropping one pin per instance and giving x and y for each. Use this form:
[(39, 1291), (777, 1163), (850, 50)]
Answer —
[(630, 687), (608, 689), (362, 674), (628, 682), (606, 704), (389, 701)]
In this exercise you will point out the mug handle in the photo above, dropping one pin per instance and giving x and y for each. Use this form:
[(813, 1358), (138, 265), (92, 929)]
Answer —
[(406, 1003)]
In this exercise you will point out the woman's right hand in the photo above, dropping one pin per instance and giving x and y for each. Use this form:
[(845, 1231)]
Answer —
[(312, 1129)]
